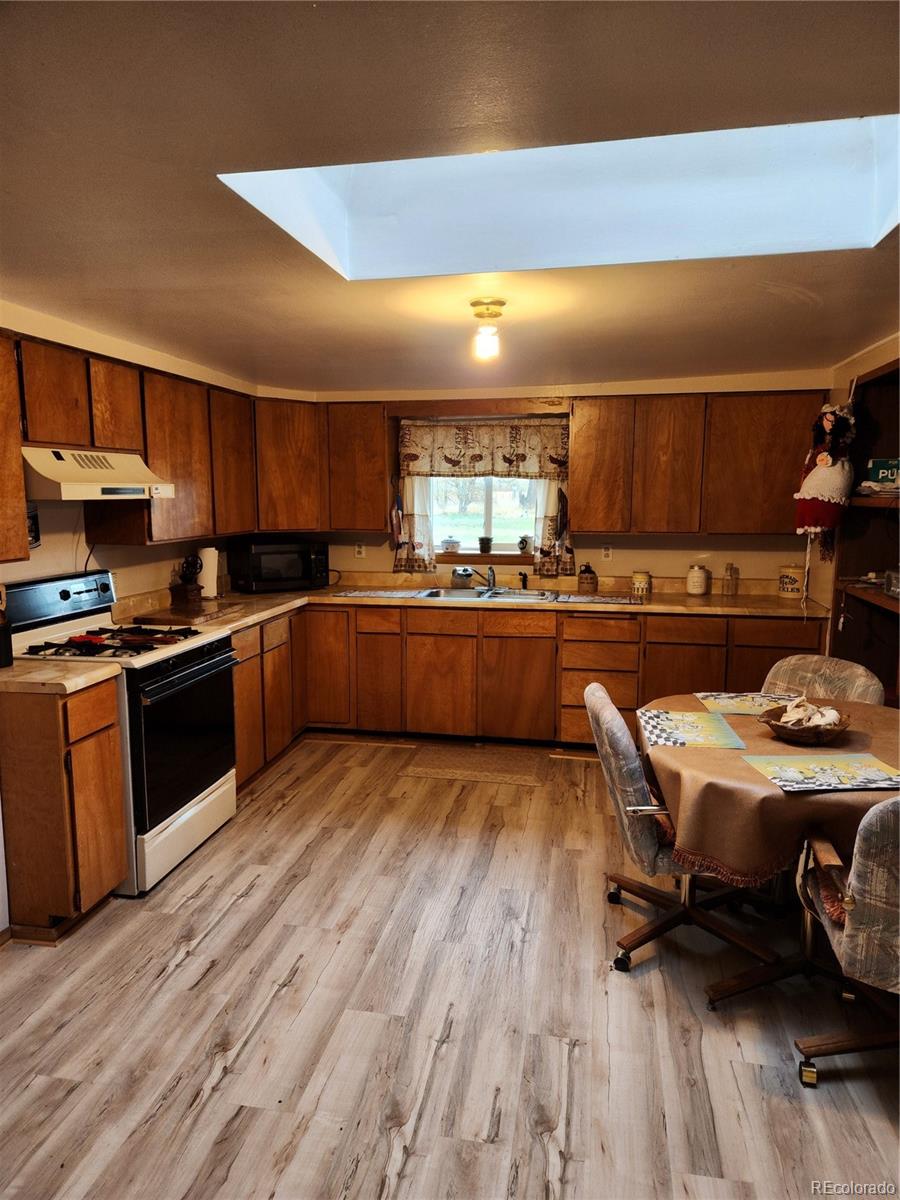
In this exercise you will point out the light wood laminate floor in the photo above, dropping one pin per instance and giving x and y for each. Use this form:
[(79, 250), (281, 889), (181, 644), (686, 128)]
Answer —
[(375, 985)]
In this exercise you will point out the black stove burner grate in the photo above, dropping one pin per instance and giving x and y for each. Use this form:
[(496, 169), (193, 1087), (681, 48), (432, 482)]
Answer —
[(122, 641)]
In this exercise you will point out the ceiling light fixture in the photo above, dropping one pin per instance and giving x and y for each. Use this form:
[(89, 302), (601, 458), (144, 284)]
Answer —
[(486, 343)]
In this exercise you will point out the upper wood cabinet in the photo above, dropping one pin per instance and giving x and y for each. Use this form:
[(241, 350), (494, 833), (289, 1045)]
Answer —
[(601, 443), (55, 387), (176, 415), (358, 476), (289, 464), (755, 449), (233, 463), (13, 527), (668, 463), (116, 405)]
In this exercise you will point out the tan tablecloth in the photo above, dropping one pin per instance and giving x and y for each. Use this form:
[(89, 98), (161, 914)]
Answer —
[(730, 821)]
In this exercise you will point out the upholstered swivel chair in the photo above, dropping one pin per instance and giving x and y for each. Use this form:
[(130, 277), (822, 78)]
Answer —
[(820, 677), (859, 909), (636, 811)]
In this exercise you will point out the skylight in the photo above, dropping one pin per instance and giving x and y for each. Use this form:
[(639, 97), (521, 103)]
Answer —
[(779, 189)]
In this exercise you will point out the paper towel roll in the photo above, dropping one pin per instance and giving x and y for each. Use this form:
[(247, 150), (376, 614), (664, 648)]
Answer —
[(209, 576)]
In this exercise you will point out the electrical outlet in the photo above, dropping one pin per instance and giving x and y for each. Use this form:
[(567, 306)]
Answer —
[(359, 550), (606, 553)]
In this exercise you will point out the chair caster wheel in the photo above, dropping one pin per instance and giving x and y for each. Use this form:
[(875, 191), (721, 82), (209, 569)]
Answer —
[(808, 1074), (622, 961), (614, 895)]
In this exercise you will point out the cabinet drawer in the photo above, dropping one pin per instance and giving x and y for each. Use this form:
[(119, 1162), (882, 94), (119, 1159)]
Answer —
[(766, 631), (695, 631), (591, 656), (519, 624), (574, 725), (276, 633), (90, 710), (578, 628), (245, 643), (622, 688), (419, 620), (378, 620)]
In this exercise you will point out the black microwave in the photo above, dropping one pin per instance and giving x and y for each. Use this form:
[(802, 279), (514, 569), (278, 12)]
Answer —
[(276, 563)]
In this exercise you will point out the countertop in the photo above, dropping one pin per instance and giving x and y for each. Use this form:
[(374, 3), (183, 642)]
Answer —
[(59, 676)]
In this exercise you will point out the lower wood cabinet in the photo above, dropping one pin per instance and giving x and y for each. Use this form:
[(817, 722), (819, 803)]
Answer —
[(441, 671), (249, 736), (277, 698), (517, 675), (756, 644), (63, 805), (330, 672), (683, 654), (596, 649), (264, 711), (379, 669), (299, 706)]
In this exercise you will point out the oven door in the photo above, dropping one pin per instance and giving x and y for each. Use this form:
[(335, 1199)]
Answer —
[(182, 737)]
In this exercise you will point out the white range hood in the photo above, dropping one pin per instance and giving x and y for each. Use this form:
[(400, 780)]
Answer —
[(90, 475)]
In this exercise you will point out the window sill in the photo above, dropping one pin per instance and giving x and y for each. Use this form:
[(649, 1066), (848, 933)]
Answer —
[(465, 558)]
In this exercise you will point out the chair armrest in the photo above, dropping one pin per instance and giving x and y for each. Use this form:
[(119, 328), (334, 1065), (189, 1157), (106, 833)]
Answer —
[(828, 860), (646, 810)]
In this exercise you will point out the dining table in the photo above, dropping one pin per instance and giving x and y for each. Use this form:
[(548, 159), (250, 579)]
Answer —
[(732, 822)]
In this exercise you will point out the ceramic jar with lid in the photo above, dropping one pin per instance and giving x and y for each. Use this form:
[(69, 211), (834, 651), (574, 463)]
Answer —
[(641, 583), (697, 580)]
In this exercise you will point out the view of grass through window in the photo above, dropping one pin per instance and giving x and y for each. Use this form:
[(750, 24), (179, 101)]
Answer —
[(468, 509)]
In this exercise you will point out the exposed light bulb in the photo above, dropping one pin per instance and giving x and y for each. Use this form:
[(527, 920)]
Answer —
[(486, 344)]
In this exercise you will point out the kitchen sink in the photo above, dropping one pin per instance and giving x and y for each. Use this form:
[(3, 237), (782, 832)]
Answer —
[(454, 594)]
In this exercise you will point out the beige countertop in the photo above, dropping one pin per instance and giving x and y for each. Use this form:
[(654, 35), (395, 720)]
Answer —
[(56, 675)]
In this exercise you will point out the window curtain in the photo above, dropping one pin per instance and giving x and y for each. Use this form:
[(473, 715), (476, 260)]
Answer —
[(536, 448), (553, 555), (415, 546)]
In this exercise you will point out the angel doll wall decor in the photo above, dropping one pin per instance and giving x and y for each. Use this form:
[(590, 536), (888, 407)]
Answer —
[(827, 478)]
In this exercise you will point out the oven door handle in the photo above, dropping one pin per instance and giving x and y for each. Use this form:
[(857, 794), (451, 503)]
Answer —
[(151, 693)]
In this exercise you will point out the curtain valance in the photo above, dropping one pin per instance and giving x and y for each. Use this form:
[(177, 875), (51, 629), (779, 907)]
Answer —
[(527, 449)]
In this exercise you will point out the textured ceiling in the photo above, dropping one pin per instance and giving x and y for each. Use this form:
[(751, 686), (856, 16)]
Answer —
[(117, 117)]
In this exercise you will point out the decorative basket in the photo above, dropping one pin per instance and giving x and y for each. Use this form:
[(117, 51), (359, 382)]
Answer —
[(808, 735)]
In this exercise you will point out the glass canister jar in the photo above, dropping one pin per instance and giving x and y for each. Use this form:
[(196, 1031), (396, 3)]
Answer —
[(697, 580)]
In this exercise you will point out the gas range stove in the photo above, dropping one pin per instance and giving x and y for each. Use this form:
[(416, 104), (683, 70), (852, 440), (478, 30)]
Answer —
[(114, 641)]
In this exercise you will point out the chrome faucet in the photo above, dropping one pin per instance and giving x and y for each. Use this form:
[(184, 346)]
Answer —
[(490, 579)]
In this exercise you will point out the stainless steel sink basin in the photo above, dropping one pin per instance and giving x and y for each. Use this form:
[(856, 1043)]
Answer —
[(521, 597), (453, 594)]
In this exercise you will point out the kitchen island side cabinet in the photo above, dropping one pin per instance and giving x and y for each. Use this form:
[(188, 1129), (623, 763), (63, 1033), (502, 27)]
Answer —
[(63, 815), (176, 419), (441, 661), (330, 665), (517, 675), (233, 462), (290, 465), (358, 474), (13, 525), (756, 445)]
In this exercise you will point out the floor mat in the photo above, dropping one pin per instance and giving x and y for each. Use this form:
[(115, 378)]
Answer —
[(488, 764)]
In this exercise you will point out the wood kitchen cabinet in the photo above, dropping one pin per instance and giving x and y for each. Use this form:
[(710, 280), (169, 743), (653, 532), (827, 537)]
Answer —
[(755, 449), (63, 805), (379, 669), (116, 412), (291, 478), (330, 665), (176, 418), (55, 394), (277, 693), (756, 644), (595, 649), (441, 653), (358, 475), (683, 654), (299, 706), (233, 462), (249, 721), (601, 442), (13, 526), (517, 675), (668, 463)]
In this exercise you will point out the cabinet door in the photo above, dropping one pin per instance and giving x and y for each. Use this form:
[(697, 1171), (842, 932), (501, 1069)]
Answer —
[(748, 666), (288, 465), (440, 683), (233, 462), (755, 449), (668, 463), (116, 405), (277, 698), (55, 386), (671, 670), (357, 466), (298, 671), (600, 456), (13, 528), (329, 693), (518, 687), (379, 673), (177, 421), (249, 740), (99, 816)]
